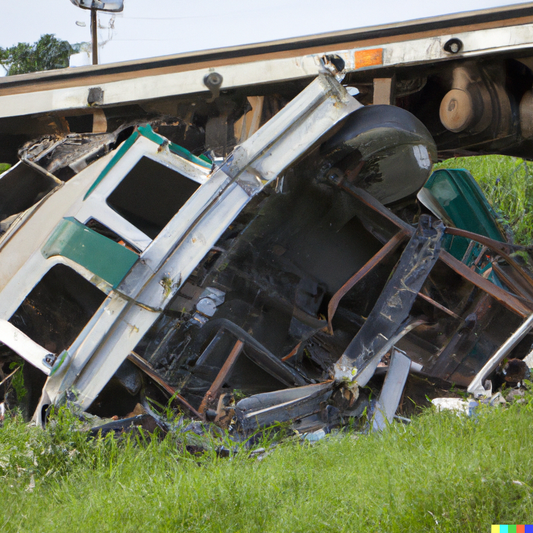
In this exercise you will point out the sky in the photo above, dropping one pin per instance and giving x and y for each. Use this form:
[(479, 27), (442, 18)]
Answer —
[(164, 27)]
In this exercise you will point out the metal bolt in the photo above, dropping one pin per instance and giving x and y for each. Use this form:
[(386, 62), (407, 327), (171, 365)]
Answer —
[(453, 46)]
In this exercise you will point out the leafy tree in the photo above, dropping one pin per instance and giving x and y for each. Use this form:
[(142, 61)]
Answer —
[(47, 53)]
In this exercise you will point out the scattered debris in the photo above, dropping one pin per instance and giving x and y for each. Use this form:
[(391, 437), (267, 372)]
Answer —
[(126, 425), (455, 404), (467, 406), (391, 393)]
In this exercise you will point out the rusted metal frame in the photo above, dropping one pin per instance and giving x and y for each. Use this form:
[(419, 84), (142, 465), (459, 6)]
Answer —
[(292, 353), (511, 284), (389, 248), (478, 258), (439, 306), (495, 246), (505, 278), (499, 294), (226, 369), (374, 204), (466, 335), (469, 249), (211, 347), (391, 311), (266, 360), (140, 363), (487, 272), (407, 231), (350, 175)]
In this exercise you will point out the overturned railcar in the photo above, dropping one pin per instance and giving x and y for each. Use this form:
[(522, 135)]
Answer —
[(261, 250)]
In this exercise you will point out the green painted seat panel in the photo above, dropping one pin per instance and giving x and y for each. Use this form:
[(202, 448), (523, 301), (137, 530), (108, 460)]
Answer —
[(98, 254), (465, 205)]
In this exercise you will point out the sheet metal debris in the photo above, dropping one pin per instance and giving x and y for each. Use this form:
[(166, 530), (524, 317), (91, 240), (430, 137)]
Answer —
[(391, 393), (274, 283)]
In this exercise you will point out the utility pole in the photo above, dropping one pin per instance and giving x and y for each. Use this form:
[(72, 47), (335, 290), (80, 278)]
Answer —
[(112, 6), (94, 35)]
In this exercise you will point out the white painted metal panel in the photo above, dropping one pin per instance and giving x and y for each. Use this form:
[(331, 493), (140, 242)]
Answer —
[(25, 347)]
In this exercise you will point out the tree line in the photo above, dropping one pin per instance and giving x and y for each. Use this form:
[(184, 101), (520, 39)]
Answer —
[(48, 53)]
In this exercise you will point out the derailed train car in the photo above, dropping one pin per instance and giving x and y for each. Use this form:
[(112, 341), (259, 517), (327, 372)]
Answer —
[(279, 274), (267, 279)]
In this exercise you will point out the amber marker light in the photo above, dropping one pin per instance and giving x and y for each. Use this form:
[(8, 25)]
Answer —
[(368, 58)]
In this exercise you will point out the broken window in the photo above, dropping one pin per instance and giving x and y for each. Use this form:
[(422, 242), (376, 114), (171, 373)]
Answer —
[(57, 309), (20, 188), (150, 195)]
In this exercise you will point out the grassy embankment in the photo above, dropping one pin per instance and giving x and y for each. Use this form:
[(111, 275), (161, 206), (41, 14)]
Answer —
[(441, 473)]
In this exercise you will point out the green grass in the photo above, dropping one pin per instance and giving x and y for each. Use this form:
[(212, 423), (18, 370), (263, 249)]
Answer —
[(508, 185), (441, 473)]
